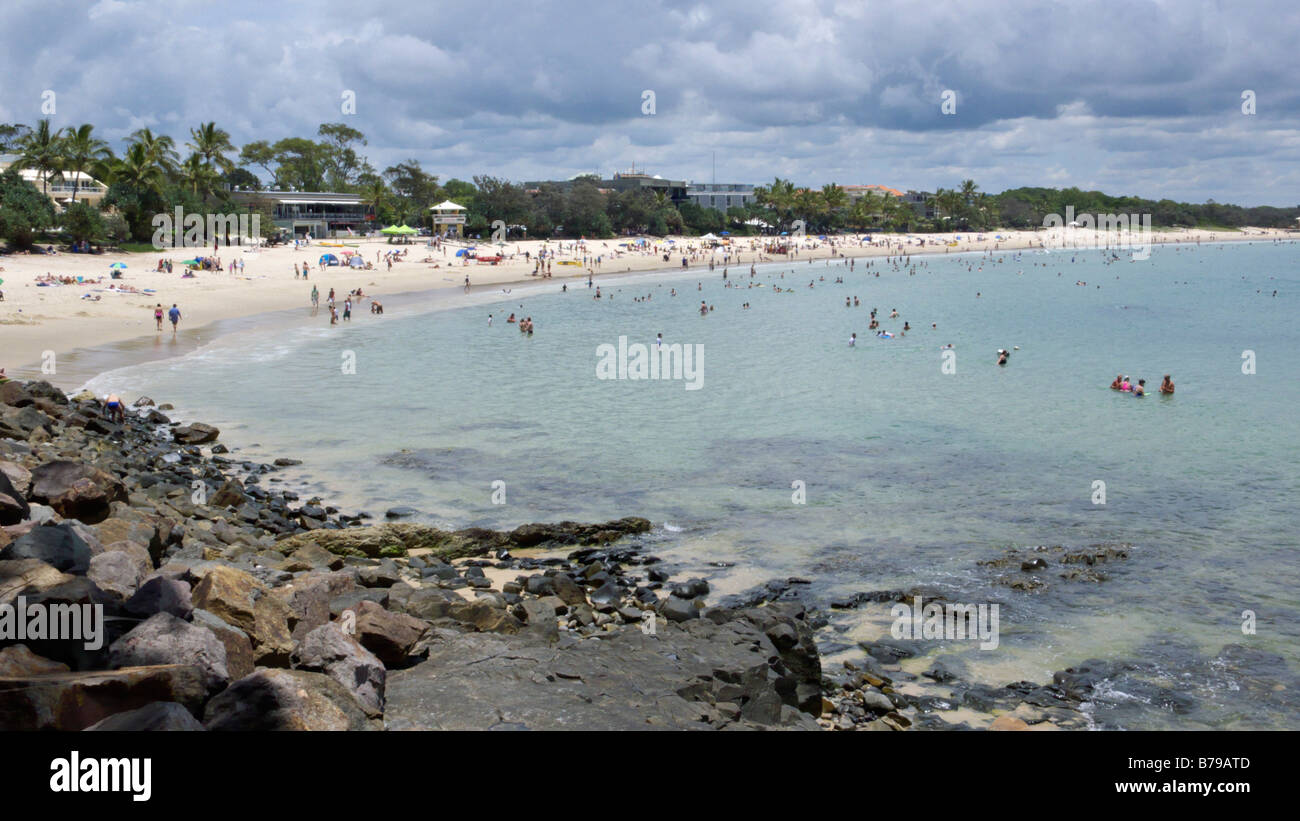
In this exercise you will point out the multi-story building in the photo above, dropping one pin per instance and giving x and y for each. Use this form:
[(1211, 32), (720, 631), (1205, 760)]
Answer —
[(319, 213), (720, 195), (62, 186)]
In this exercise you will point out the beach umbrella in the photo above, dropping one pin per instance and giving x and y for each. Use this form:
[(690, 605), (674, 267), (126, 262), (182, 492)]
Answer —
[(390, 230), (118, 265), (462, 252), (189, 262)]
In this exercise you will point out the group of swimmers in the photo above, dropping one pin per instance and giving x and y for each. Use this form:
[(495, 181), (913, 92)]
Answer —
[(525, 324), (1124, 385)]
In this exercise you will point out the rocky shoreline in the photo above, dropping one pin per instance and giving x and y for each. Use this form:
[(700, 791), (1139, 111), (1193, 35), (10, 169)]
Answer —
[(230, 603)]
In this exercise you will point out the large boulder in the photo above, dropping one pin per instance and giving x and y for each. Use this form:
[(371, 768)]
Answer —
[(15, 394), (161, 716), (19, 476), (121, 569), (308, 598), (59, 546), (74, 701), (246, 603), (16, 660), (76, 490), (286, 700), (20, 576), (164, 639), (388, 635), (329, 650), (195, 434), (159, 594), (239, 649), (13, 507)]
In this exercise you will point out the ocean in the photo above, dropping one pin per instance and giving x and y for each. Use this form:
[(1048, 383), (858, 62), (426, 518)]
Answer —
[(889, 465)]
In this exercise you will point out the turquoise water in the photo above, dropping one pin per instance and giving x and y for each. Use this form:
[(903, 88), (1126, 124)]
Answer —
[(913, 476)]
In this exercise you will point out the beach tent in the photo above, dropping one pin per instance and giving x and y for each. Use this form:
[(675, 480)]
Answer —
[(329, 259), (356, 262), (709, 235), (462, 252)]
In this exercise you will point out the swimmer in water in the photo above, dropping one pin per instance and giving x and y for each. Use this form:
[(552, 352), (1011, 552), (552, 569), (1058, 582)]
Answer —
[(1125, 387), (1141, 389), (1167, 386), (1003, 356), (853, 340), (1118, 383)]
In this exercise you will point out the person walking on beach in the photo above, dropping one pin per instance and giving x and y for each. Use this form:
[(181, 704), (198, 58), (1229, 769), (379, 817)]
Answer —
[(315, 297), (467, 283), (175, 316), (347, 309), (158, 315)]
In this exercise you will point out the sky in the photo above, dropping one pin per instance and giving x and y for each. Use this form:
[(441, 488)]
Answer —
[(1143, 97)]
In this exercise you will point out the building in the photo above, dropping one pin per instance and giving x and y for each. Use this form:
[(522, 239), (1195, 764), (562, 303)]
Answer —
[(320, 214), (61, 186), (448, 218), (674, 190), (919, 200), (720, 195)]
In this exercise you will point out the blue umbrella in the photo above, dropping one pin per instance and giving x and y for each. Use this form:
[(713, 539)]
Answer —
[(118, 265)]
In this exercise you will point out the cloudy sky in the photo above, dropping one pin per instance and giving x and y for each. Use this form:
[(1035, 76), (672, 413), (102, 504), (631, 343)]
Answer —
[(1137, 97)]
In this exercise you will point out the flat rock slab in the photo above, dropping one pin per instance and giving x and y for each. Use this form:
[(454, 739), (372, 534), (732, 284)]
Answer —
[(624, 680)]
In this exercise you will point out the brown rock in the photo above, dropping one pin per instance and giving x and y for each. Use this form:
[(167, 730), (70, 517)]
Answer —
[(286, 700), (76, 490), (246, 603), (390, 636), (74, 701), (19, 576), (1008, 722), (16, 661)]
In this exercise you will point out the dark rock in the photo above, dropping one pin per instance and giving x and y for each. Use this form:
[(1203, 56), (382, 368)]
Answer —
[(161, 716), (329, 650), (76, 490), (285, 700), (59, 546), (165, 639), (195, 434), (159, 594)]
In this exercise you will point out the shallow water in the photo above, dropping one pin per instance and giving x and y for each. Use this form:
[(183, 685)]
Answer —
[(912, 475)]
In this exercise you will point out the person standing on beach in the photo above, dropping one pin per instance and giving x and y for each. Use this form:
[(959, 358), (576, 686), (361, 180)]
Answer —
[(296, 274), (315, 297), (347, 309), (175, 316), (467, 283), (158, 315)]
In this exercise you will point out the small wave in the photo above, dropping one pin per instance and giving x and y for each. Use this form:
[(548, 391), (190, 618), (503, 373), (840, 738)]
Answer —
[(672, 528)]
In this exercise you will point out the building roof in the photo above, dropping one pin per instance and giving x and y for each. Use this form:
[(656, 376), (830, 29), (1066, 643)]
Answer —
[(303, 197), (447, 205)]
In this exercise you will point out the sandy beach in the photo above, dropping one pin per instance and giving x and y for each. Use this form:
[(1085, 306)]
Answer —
[(62, 318)]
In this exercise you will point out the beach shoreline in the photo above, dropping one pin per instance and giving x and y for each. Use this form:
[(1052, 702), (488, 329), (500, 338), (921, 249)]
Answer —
[(39, 320)]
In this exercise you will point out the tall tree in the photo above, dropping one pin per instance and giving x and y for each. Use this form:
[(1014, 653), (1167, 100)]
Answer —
[(40, 151), (158, 149), (212, 144), (81, 149)]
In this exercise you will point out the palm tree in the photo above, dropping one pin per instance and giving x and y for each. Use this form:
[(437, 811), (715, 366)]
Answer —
[(968, 189), (376, 193), (81, 150), (198, 175), (212, 144), (159, 149), (40, 150), (834, 197), (138, 168)]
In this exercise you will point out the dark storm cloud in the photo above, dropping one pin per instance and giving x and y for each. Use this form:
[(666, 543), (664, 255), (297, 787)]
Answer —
[(1131, 97)]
